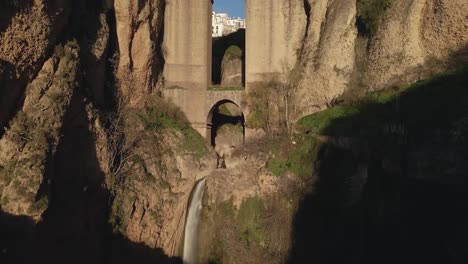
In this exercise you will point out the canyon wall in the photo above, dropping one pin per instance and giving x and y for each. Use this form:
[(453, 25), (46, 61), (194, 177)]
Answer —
[(322, 42), (138, 56), (414, 39), (28, 32), (274, 31), (231, 67), (77, 78), (71, 72), (328, 53)]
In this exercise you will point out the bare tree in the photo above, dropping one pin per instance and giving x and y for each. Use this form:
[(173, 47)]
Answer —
[(120, 145), (290, 79), (272, 102)]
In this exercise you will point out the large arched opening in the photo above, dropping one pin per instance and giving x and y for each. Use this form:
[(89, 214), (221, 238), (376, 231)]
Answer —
[(228, 44), (225, 125)]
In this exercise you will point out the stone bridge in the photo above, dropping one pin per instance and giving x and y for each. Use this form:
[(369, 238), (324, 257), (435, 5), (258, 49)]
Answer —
[(203, 105), (188, 52)]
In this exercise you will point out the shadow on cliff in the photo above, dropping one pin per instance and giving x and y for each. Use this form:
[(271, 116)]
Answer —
[(75, 227), (21, 242), (8, 97), (401, 197), (220, 45)]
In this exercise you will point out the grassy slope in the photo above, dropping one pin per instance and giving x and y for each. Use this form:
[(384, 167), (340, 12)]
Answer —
[(161, 115), (410, 113), (420, 107)]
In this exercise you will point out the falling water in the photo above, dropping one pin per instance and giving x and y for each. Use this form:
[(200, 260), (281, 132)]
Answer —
[(191, 225)]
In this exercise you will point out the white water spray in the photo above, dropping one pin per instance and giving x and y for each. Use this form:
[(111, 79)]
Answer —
[(192, 223)]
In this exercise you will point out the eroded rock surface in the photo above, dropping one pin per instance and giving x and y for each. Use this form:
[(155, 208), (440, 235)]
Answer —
[(33, 136), (231, 67), (69, 69), (28, 32), (415, 39)]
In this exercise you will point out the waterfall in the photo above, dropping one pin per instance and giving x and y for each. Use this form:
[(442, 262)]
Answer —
[(192, 223)]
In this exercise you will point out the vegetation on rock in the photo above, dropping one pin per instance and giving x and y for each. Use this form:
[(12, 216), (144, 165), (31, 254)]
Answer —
[(373, 115), (251, 225), (256, 232), (220, 46), (34, 133), (370, 13), (154, 134), (260, 105), (225, 88), (160, 115), (271, 102), (297, 158), (233, 52)]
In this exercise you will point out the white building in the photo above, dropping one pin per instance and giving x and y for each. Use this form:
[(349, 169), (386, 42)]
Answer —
[(236, 22), (223, 25)]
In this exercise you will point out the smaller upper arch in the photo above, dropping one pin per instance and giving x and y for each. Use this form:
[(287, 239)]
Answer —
[(217, 105)]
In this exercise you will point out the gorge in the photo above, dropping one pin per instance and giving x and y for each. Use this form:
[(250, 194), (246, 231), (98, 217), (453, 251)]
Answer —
[(344, 141)]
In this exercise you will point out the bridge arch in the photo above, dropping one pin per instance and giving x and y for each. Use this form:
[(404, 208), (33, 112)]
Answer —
[(228, 114)]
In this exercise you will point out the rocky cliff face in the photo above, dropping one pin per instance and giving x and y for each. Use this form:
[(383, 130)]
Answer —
[(34, 134), (69, 72), (151, 195), (274, 33), (28, 31), (139, 36), (88, 157), (413, 39), (327, 52), (231, 67)]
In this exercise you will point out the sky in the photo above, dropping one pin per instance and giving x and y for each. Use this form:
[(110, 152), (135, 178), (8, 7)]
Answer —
[(235, 8)]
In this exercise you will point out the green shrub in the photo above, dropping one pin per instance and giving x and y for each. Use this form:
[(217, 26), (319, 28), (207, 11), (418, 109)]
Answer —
[(40, 205), (165, 185), (175, 87), (193, 142), (250, 222), (369, 15), (163, 115), (5, 201), (159, 113), (303, 156), (226, 208), (56, 96), (317, 123), (257, 120), (278, 166), (417, 108), (117, 216), (298, 159), (233, 52), (260, 105), (218, 228), (220, 88), (7, 171)]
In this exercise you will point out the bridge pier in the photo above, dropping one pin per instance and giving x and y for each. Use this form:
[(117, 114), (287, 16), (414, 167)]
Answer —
[(188, 51)]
